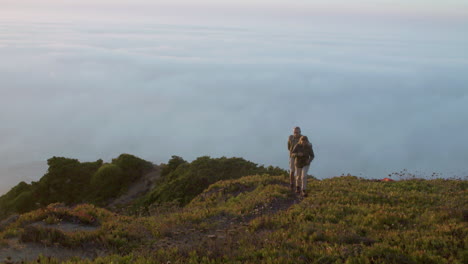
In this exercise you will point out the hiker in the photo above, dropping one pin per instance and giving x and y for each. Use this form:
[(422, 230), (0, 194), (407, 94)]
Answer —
[(292, 142), (303, 154)]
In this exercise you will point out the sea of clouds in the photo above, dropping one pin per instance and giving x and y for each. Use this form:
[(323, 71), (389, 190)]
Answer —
[(372, 100)]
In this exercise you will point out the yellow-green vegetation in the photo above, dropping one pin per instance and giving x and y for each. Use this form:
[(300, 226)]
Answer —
[(236, 200), (257, 219), (104, 229)]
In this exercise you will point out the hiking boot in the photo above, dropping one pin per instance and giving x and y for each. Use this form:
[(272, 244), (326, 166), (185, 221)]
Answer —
[(298, 190), (304, 193)]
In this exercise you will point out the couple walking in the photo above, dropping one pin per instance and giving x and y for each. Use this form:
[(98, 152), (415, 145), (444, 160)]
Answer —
[(300, 157)]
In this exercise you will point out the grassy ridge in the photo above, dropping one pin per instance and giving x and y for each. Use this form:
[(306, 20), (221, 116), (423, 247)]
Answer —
[(344, 220), (183, 181)]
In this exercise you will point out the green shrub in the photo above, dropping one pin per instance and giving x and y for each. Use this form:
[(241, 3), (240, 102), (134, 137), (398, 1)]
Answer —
[(188, 180), (107, 181), (24, 202), (12, 202), (67, 180), (70, 181), (172, 165), (132, 166)]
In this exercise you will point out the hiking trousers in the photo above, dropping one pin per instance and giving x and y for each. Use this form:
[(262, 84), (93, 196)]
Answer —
[(292, 170), (292, 167), (301, 175)]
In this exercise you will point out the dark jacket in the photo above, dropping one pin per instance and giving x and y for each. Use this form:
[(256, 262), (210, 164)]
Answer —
[(306, 158), (292, 142)]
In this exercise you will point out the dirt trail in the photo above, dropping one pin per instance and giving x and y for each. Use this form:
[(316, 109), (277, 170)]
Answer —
[(224, 231), (136, 190)]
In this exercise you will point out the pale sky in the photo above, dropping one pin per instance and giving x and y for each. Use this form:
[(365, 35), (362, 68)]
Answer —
[(381, 85), (446, 8)]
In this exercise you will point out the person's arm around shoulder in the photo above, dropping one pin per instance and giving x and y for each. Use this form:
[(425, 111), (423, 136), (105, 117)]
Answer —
[(294, 151)]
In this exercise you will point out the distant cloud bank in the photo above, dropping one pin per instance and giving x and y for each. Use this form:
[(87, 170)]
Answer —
[(373, 100)]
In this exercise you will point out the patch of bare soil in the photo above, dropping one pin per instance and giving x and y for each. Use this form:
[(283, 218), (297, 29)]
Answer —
[(16, 252), (67, 227)]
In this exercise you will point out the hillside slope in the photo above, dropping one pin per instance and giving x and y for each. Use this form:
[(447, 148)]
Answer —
[(181, 181), (70, 181), (136, 190), (256, 219), (127, 184)]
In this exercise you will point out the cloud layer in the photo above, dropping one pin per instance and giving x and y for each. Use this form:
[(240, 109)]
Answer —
[(372, 101)]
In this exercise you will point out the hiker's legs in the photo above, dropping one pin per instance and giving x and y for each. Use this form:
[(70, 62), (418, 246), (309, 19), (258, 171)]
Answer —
[(292, 170), (298, 178), (304, 172)]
